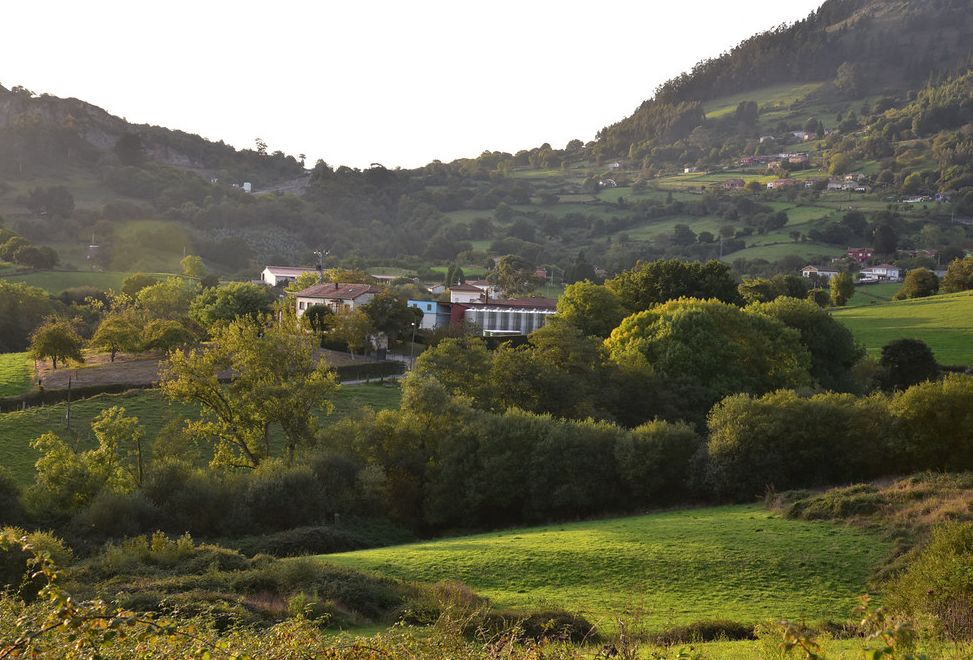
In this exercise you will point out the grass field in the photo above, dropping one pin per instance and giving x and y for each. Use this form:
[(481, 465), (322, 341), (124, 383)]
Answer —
[(15, 373), (872, 294), (944, 322), (779, 95), (17, 429), (736, 562), (55, 281), (806, 251)]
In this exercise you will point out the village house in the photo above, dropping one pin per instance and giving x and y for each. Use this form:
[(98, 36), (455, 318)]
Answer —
[(733, 184), (823, 271), (335, 295), (861, 255), (881, 273), (435, 314), (491, 290), (781, 183), (466, 293), (276, 275)]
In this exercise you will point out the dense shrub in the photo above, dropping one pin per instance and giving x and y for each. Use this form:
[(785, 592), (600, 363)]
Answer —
[(115, 515), (934, 425), (704, 631), (15, 569), (316, 540), (11, 511), (907, 362), (784, 441), (654, 461), (938, 582), (279, 497)]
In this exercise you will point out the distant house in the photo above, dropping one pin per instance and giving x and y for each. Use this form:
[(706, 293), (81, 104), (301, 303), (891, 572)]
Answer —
[(799, 159), (861, 255), (781, 183), (690, 170), (335, 295), (492, 290), (436, 289), (608, 183), (466, 293), (733, 184), (823, 271), (499, 318), (386, 279), (435, 314), (614, 166), (881, 273), (275, 275)]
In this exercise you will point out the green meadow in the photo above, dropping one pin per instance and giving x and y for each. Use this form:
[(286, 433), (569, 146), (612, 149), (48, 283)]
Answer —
[(15, 373), (19, 428), (945, 322), (732, 562), (56, 281)]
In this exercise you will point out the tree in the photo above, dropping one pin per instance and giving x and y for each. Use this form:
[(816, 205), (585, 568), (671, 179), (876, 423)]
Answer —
[(167, 334), (885, 239), (58, 340), (134, 283), (918, 283), (514, 275), (654, 282), (959, 275), (120, 330), (168, 299), (580, 270), (303, 281), (192, 266), (592, 308), (38, 258), (391, 315), (713, 346), (849, 80), (352, 326), (906, 362), (120, 447), (842, 288), (224, 303), (319, 317), (22, 309), (277, 380), (130, 150), (461, 365), (831, 345)]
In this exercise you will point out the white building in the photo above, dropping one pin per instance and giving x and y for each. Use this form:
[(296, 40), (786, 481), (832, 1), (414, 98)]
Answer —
[(335, 295), (881, 273), (466, 293), (511, 317), (824, 271), (274, 275)]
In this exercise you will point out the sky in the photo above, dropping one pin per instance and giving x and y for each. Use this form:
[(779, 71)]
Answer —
[(397, 82)]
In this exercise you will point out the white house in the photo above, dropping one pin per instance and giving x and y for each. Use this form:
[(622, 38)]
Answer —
[(882, 273), (824, 271), (274, 275), (434, 313), (335, 295), (466, 293)]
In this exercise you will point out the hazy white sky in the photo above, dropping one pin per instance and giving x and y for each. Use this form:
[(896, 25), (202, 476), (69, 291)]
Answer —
[(392, 81)]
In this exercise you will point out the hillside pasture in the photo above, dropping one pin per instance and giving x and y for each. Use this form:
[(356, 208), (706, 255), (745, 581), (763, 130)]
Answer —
[(15, 373), (733, 562), (945, 322), (776, 251), (19, 428), (56, 281), (778, 96)]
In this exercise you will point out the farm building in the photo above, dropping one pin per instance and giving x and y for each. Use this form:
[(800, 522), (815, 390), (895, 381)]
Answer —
[(881, 273), (823, 271), (275, 275)]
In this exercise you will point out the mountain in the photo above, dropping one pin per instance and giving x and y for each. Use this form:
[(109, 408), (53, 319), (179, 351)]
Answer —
[(860, 48)]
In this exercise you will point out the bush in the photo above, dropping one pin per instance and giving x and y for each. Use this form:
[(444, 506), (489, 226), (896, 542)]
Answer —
[(938, 582), (278, 497), (11, 511), (318, 540), (543, 625), (654, 460), (839, 503), (934, 425), (918, 283), (14, 560), (116, 515), (704, 631), (784, 441), (906, 362)]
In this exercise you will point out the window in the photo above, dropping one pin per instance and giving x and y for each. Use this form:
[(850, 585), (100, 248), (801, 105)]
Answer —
[(300, 305), (429, 307)]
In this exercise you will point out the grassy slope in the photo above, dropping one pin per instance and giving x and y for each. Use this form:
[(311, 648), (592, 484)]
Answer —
[(944, 322), (736, 562), (873, 294), (15, 373), (58, 281), (17, 429)]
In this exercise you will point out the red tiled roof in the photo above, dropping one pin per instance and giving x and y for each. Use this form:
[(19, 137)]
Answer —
[(331, 290), (536, 303), (466, 288)]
